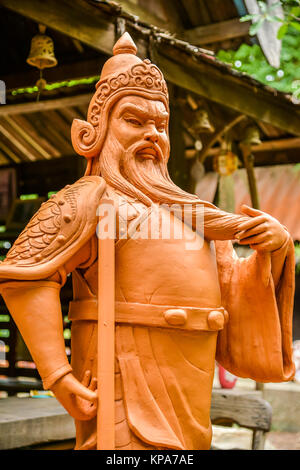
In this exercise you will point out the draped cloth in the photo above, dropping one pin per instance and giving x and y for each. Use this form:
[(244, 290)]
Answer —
[(257, 341)]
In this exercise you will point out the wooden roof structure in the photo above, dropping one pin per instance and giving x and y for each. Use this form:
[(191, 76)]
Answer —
[(179, 36)]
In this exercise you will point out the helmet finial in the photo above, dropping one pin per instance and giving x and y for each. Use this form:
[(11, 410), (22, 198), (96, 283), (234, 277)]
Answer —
[(125, 45)]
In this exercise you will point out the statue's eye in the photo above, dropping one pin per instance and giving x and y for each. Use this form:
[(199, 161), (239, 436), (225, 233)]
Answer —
[(161, 126), (134, 122)]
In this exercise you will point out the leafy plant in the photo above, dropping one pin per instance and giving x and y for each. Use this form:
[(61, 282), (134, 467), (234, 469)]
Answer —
[(251, 60), (291, 10)]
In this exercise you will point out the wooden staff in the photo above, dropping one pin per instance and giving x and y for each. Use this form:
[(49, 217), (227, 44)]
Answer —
[(106, 329)]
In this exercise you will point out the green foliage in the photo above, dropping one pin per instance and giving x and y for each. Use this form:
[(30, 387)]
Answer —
[(296, 168), (251, 60), (54, 86), (25, 197), (4, 318), (4, 333), (67, 333), (291, 16)]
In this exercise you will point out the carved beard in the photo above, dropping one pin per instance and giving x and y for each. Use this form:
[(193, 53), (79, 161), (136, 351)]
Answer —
[(149, 181), (145, 179)]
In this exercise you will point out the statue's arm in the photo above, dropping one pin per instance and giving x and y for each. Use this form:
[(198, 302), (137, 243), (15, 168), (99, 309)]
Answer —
[(58, 239), (36, 309)]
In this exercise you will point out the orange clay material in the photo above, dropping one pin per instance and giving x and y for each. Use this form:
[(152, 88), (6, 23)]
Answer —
[(106, 343), (175, 309), (29, 300)]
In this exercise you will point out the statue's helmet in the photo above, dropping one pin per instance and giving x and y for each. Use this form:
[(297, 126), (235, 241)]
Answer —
[(123, 74)]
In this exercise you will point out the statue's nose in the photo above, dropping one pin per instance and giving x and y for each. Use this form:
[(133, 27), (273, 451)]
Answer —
[(151, 135)]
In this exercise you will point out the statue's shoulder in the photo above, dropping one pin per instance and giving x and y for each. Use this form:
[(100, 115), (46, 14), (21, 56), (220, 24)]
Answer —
[(61, 226)]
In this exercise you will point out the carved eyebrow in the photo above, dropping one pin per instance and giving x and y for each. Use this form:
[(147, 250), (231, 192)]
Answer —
[(128, 107)]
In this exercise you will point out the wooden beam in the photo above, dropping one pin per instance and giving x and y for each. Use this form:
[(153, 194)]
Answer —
[(82, 111), (3, 159), (33, 142), (287, 157), (243, 407), (220, 86), (31, 130), (36, 106), (61, 130), (248, 159), (219, 134), (216, 32), (84, 22), (11, 136), (76, 19), (268, 146), (9, 152), (61, 125), (48, 130), (279, 144), (77, 70), (69, 114), (177, 165), (268, 158), (170, 11), (144, 14)]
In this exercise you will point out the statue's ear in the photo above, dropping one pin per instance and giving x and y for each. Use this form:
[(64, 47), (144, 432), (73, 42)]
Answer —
[(85, 139)]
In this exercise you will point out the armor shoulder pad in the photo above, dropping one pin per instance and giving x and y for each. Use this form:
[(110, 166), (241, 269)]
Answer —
[(61, 226)]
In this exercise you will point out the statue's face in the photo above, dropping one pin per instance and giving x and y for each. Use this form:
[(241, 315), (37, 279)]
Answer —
[(142, 125)]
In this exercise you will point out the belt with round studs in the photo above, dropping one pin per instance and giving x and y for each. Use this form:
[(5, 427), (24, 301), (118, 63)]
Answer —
[(162, 316)]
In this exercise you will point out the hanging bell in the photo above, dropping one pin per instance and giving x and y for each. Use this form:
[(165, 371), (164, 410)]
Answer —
[(202, 123), (41, 53), (251, 136), (42, 56)]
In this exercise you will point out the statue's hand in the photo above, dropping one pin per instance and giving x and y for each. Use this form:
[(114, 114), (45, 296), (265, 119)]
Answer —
[(78, 399), (88, 408), (262, 232)]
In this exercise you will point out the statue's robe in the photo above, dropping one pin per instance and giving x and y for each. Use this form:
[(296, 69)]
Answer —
[(164, 375), (235, 313)]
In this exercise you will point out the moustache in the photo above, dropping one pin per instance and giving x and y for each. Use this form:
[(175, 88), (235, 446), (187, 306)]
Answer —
[(145, 150)]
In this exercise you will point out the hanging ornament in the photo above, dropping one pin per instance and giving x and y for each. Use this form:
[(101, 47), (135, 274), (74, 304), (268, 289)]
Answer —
[(226, 162), (41, 55)]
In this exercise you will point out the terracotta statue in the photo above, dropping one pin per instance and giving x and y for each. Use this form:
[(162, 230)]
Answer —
[(176, 309)]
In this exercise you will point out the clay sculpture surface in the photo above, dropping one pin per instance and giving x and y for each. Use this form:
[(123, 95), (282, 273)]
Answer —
[(180, 301)]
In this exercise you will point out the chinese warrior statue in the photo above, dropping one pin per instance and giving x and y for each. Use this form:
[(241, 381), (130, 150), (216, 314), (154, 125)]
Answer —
[(177, 310)]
